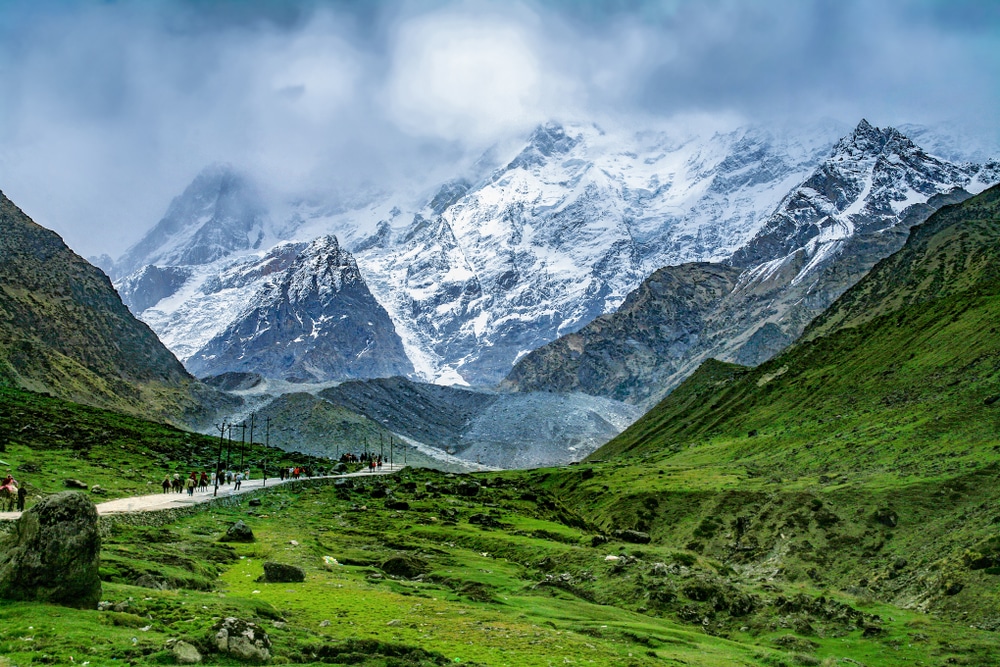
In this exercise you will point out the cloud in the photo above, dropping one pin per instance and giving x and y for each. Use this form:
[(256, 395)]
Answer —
[(109, 109)]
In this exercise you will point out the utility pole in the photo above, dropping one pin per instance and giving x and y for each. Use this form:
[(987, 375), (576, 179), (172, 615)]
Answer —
[(267, 444), (229, 449), (243, 439), (218, 463)]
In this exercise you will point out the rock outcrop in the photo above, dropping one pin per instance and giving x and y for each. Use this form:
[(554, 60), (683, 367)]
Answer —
[(54, 554)]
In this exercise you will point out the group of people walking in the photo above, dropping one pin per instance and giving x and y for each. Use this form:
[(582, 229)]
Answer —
[(202, 482)]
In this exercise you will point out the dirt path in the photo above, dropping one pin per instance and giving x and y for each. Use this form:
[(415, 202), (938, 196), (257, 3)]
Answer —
[(162, 501)]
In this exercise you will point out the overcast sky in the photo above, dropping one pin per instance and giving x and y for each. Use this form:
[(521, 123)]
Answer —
[(108, 109)]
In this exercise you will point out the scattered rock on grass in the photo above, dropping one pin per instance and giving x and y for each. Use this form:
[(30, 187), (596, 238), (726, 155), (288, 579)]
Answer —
[(406, 565), (238, 532), (242, 640), (184, 653), (468, 489), (280, 573), (75, 484), (633, 536)]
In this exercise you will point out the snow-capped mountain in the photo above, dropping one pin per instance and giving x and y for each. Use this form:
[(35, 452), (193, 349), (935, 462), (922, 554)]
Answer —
[(311, 318), (502, 260), (498, 261), (855, 209), (562, 232)]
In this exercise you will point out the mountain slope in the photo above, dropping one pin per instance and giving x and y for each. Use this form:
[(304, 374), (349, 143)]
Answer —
[(902, 368), (854, 210), (660, 322), (65, 331)]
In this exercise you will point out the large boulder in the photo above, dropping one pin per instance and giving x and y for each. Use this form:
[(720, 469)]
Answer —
[(53, 555)]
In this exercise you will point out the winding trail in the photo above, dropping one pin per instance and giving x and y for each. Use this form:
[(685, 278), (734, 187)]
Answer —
[(162, 501)]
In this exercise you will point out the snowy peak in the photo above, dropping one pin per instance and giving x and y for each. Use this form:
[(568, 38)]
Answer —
[(219, 213), (547, 141), (321, 270), (314, 321), (869, 181)]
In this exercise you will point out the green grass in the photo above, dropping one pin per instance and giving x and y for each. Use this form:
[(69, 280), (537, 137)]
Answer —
[(530, 591)]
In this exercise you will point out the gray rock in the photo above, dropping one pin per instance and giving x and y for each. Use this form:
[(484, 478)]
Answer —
[(254, 502), (53, 555), (242, 640), (184, 653), (633, 536), (276, 573), (97, 490), (75, 484), (238, 532)]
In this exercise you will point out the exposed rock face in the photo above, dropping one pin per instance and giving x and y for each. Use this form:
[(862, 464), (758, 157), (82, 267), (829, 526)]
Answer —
[(278, 573), (146, 287), (627, 355), (315, 321), (54, 554), (242, 640)]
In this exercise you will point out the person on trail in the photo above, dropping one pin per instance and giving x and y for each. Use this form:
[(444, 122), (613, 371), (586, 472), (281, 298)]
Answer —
[(238, 479), (166, 483), (203, 481), (189, 485), (22, 494), (178, 485)]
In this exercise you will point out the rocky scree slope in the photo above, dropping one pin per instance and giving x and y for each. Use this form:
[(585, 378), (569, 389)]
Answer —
[(65, 331), (827, 233), (501, 430)]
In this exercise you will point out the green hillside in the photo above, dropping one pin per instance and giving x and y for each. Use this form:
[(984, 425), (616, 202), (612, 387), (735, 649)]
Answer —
[(65, 331), (901, 376)]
